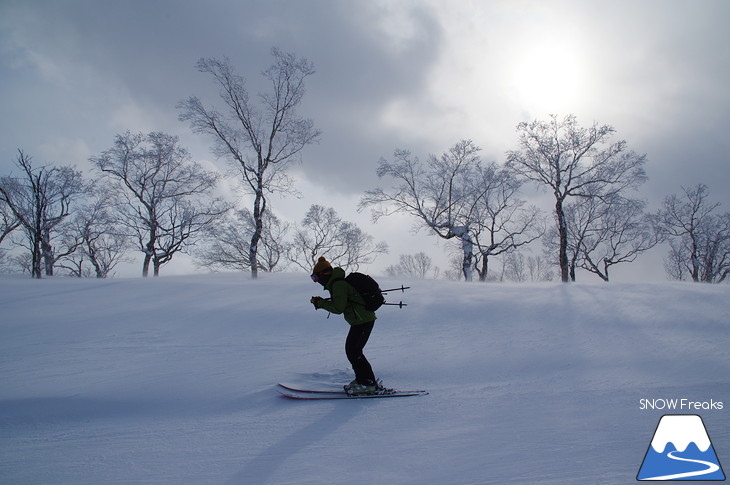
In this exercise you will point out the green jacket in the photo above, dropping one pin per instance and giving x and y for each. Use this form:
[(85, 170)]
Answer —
[(345, 300)]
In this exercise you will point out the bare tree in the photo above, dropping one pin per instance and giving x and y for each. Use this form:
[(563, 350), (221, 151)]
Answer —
[(437, 194), (539, 268), (515, 268), (456, 196), (316, 235), (8, 221), (226, 245), (572, 161), (583, 216), (273, 245), (699, 238), (161, 194), (41, 199), (22, 263), (411, 265), (258, 139), (103, 241), (324, 233), (579, 217), (674, 263), (620, 233), (502, 222)]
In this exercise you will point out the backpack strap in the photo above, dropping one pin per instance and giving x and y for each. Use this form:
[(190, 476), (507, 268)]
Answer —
[(357, 293), (345, 280)]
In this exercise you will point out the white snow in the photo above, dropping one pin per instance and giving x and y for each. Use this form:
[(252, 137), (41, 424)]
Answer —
[(171, 381), (681, 430)]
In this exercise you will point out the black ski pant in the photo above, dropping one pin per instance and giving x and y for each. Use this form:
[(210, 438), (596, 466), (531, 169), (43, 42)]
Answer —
[(356, 340)]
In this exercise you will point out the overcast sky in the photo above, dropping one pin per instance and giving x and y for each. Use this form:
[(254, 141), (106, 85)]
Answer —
[(419, 75)]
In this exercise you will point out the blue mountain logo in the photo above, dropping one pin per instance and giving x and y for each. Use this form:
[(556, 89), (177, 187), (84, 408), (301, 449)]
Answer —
[(681, 450)]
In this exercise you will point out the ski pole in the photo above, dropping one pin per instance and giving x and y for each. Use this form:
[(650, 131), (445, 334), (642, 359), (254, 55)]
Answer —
[(402, 288), (399, 305)]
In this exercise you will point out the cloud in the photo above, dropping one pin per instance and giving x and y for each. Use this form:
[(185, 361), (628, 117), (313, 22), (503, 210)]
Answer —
[(414, 74)]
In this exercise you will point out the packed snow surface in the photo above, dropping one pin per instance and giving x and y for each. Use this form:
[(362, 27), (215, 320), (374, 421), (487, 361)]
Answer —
[(172, 381)]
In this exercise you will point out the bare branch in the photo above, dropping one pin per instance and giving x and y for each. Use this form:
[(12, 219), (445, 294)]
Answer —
[(259, 140), (572, 161), (160, 193)]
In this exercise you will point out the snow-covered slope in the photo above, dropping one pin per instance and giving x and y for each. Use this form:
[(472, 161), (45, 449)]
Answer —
[(171, 381)]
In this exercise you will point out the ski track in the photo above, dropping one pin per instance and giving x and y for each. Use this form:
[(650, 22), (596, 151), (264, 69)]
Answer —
[(172, 381)]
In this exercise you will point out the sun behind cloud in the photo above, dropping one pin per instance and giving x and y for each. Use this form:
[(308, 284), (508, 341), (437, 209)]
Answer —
[(547, 77)]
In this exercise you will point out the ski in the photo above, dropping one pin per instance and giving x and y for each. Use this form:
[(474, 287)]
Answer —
[(311, 391), (336, 395), (317, 394), (383, 392)]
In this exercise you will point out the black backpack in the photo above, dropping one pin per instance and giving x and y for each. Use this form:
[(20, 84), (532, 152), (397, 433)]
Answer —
[(367, 288)]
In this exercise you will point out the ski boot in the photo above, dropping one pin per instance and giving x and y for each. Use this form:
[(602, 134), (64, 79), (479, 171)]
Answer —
[(354, 388)]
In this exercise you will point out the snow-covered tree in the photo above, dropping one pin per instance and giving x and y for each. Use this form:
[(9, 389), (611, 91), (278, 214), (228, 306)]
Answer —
[(161, 195), (456, 196), (437, 193), (572, 161), (259, 139), (323, 233)]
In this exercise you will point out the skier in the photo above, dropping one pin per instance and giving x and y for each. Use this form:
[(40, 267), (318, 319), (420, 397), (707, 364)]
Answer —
[(345, 300)]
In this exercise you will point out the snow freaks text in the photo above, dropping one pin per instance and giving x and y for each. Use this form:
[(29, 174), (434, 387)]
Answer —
[(680, 404)]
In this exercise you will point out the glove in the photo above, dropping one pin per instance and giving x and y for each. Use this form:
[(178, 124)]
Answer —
[(314, 301)]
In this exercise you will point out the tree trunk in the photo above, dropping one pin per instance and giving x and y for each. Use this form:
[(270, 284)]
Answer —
[(259, 207), (601, 274), (149, 250), (563, 233), (47, 251), (100, 273), (485, 268), (36, 259), (146, 266), (253, 253), (467, 246)]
